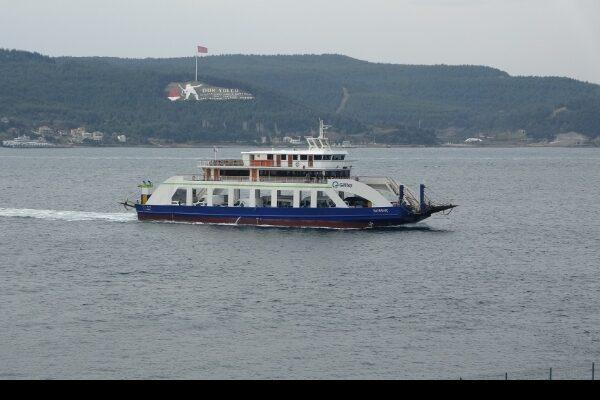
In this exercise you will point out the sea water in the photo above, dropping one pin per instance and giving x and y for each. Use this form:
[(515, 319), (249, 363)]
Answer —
[(508, 282)]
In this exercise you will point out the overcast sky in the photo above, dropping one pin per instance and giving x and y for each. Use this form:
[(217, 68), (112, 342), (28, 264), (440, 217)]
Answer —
[(527, 37)]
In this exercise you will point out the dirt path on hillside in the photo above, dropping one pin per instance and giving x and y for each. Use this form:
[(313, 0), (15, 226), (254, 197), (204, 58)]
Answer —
[(345, 97)]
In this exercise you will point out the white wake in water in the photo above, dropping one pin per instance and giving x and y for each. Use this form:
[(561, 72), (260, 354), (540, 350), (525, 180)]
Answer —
[(67, 215)]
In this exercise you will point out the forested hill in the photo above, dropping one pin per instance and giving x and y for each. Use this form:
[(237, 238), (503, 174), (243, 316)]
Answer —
[(291, 92)]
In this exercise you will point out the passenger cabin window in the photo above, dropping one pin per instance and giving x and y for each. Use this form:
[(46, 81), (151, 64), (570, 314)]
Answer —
[(338, 174), (235, 172), (269, 156), (326, 157), (179, 197), (338, 157), (318, 157), (284, 156), (295, 156), (303, 157), (323, 201)]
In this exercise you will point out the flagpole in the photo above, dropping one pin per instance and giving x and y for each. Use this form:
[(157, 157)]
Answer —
[(196, 66)]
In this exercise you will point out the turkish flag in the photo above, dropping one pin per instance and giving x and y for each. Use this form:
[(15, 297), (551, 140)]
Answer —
[(202, 49)]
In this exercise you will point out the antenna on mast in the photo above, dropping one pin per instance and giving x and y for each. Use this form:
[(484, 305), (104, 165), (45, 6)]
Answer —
[(322, 129), (319, 142)]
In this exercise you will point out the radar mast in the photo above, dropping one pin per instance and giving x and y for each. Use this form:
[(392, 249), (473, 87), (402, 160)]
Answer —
[(320, 142), (322, 129)]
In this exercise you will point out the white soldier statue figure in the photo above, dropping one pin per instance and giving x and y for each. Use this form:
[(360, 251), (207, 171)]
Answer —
[(189, 90)]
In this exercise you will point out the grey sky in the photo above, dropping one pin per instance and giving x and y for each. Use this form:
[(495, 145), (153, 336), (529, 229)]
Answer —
[(529, 37)]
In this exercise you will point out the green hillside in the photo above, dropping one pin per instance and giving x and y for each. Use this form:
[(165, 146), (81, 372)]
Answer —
[(127, 95), (100, 95)]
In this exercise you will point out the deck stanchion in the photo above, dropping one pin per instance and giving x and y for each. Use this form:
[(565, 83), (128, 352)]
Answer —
[(422, 198), (550, 373), (506, 376), (593, 367)]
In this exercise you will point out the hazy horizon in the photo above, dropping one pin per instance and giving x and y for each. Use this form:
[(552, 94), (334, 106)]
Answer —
[(534, 38)]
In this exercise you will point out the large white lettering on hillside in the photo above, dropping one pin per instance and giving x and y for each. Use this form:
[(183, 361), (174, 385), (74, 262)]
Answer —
[(200, 91)]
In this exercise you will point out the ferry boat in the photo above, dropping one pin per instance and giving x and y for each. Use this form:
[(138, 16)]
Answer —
[(25, 141), (312, 187)]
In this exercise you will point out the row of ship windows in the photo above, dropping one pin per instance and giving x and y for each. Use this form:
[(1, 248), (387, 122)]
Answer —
[(317, 157), (285, 199), (289, 173)]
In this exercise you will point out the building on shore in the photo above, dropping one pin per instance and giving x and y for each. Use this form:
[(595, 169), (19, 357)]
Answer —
[(78, 132), (570, 139), (291, 140), (44, 130)]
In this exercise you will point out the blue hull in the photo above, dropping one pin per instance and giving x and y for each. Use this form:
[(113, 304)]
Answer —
[(298, 217)]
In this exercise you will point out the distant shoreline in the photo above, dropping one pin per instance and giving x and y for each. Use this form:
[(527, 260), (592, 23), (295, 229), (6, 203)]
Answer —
[(374, 146)]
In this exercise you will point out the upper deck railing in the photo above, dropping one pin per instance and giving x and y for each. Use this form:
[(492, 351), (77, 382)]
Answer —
[(275, 179), (225, 162), (284, 164), (263, 163), (234, 162), (293, 179)]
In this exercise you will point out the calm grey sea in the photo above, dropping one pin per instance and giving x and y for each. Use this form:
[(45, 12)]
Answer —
[(509, 282)]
